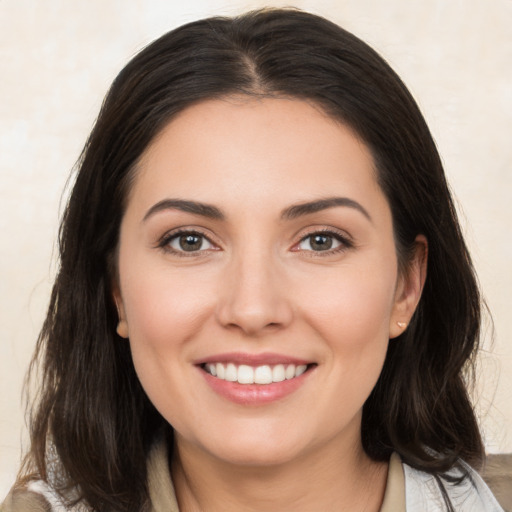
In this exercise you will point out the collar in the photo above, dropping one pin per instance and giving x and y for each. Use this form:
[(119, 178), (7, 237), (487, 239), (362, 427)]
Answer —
[(161, 488), (163, 496), (394, 496)]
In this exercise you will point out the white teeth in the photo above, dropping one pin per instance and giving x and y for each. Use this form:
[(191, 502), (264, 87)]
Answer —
[(289, 372), (219, 367), (300, 370), (231, 373), (278, 373), (263, 375), (245, 374)]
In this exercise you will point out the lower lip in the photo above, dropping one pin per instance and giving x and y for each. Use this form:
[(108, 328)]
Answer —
[(254, 394)]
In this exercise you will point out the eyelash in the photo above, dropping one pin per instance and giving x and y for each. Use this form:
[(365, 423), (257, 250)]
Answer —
[(164, 242), (344, 241)]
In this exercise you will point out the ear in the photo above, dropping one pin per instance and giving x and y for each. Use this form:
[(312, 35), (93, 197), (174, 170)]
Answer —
[(122, 326), (409, 288)]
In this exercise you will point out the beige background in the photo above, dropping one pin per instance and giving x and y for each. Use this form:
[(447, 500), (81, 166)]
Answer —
[(58, 57)]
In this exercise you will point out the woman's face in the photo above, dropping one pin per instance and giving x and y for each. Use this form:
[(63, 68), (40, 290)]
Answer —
[(258, 279)]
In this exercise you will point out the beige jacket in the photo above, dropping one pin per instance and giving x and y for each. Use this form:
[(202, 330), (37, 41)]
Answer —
[(407, 490)]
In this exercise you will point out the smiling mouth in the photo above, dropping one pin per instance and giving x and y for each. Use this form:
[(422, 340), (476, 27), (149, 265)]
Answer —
[(264, 374)]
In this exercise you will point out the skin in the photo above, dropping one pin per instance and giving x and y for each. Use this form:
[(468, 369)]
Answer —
[(256, 285)]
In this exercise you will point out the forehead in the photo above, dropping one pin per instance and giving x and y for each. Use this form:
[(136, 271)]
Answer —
[(256, 151)]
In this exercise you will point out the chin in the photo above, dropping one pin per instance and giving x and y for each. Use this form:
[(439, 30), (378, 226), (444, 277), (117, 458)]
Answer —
[(254, 450), (263, 455)]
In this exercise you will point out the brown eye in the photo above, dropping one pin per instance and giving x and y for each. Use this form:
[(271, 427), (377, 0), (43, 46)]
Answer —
[(319, 242), (189, 242)]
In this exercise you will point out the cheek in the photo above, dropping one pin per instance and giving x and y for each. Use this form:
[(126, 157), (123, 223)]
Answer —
[(165, 309), (352, 316), (353, 320), (354, 307), (163, 312)]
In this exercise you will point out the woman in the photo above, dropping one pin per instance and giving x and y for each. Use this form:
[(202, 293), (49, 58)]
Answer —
[(264, 301)]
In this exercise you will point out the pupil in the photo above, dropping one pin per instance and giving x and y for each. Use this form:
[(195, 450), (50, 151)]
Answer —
[(190, 242), (321, 242)]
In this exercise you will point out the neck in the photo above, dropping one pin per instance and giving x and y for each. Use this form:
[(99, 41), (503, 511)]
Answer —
[(348, 481)]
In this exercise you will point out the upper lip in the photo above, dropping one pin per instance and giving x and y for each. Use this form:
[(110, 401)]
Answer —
[(265, 358)]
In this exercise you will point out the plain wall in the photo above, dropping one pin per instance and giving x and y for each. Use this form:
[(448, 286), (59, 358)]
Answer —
[(57, 59)]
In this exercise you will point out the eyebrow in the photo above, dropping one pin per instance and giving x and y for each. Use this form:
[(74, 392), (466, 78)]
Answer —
[(290, 213), (308, 208), (203, 209)]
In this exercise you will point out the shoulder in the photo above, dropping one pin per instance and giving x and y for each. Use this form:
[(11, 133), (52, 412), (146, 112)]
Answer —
[(36, 496), (25, 500), (471, 494)]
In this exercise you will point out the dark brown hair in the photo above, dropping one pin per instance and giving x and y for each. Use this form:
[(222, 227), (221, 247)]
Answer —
[(92, 410)]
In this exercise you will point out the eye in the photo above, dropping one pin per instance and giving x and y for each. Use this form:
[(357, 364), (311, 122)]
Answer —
[(323, 241), (187, 242)]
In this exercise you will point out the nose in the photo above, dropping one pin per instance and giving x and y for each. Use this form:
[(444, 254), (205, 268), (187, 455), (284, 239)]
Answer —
[(253, 297)]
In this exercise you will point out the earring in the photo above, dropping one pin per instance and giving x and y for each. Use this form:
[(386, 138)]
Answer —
[(122, 329), (402, 325)]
